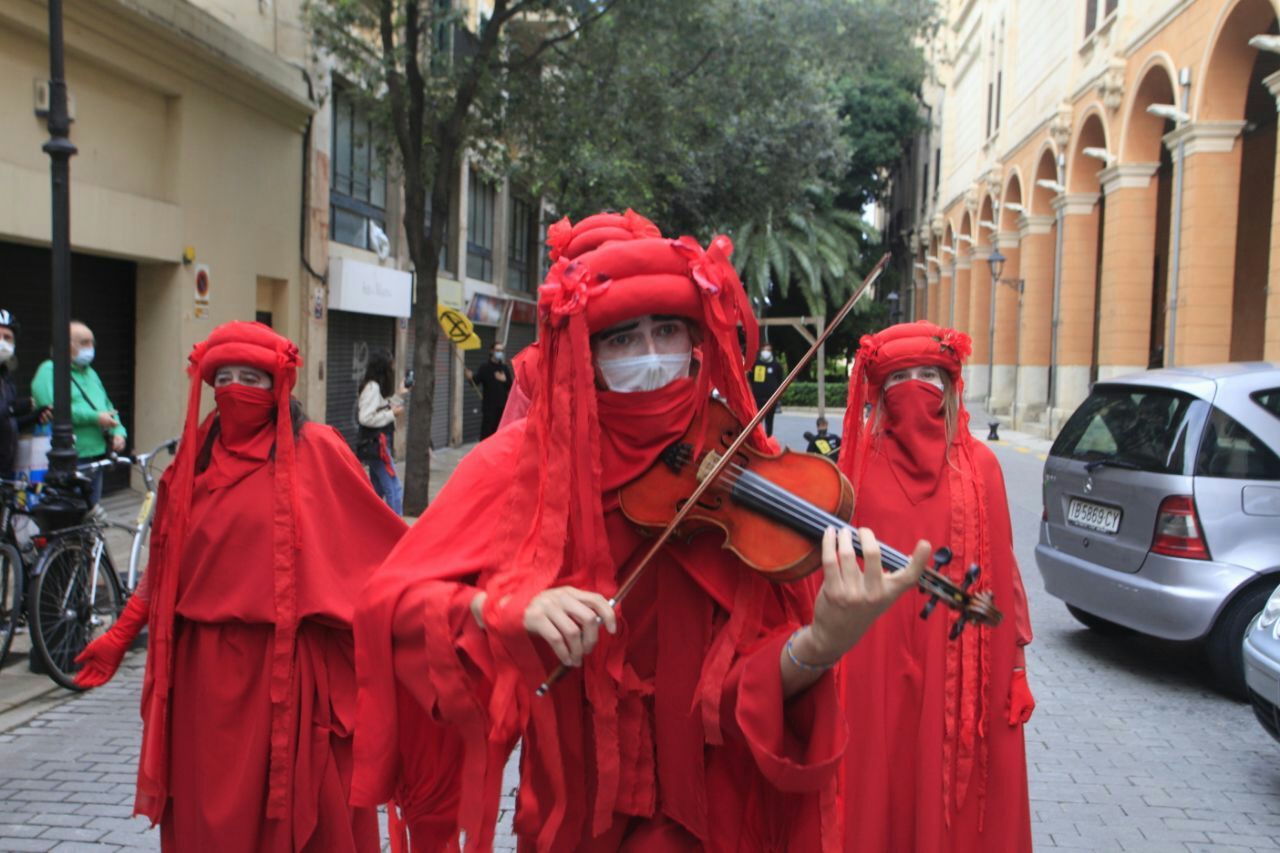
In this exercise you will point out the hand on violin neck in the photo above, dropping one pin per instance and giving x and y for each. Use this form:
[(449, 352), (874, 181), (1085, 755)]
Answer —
[(569, 619), (851, 597)]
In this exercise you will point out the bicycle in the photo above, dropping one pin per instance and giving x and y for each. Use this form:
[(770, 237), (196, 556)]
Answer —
[(75, 593)]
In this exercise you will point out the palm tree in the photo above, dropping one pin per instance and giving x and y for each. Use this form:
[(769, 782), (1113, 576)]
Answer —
[(819, 248)]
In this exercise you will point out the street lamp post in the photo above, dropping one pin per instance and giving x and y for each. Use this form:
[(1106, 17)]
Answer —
[(62, 456), (996, 262)]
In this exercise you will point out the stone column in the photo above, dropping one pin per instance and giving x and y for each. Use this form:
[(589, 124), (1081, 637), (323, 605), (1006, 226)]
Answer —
[(975, 380), (1036, 241), (1075, 300), (932, 286), (1206, 268), (946, 283), (1272, 351), (1004, 364), (1128, 266), (958, 312)]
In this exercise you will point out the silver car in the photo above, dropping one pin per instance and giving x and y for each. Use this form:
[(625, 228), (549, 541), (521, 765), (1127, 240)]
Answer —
[(1162, 507), (1262, 665)]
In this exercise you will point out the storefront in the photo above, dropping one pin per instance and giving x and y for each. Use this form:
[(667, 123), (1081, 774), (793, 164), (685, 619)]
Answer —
[(103, 295), (365, 302)]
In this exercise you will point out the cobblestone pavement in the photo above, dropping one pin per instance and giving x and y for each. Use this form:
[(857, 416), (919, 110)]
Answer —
[(1130, 749)]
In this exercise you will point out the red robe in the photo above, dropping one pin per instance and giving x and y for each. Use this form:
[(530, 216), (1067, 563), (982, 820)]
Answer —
[(938, 768), (214, 755), (660, 765)]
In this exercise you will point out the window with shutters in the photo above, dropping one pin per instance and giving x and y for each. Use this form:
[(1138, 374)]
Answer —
[(482, 204), (357, 186)]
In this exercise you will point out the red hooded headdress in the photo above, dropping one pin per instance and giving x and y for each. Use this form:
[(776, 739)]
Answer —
[(253, 345)]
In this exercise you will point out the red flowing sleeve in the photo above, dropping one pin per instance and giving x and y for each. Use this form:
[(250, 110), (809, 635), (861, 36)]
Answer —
[(1002, 554), (424, 665), (797, 743)]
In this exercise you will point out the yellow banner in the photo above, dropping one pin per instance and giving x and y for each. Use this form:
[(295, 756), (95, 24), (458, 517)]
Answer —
[(457, 328)]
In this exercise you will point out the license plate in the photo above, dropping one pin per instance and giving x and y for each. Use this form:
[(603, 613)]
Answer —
[(1093, 516)]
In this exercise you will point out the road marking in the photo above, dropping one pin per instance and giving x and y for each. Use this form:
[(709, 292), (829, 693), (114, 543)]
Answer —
[(1042, 457), (1023, 449)]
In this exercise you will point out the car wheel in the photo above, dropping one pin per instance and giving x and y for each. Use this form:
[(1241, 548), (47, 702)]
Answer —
[(1224, 647), (1096, 623)]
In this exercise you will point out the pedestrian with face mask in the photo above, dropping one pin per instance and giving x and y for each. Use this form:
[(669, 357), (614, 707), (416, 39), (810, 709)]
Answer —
[(266, 529), (16, 412), (493, 378), (942, 766), (94, 417), (766, 375)]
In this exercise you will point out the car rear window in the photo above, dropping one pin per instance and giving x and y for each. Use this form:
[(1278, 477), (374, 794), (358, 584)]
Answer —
[(1145, 428), (1269, 400), (1231, 451)]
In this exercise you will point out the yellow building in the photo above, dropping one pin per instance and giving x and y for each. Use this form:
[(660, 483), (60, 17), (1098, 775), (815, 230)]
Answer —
[(1121, 157), (206, 125)]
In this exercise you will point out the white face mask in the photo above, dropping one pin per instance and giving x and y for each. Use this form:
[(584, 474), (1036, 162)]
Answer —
[(766, 355), (6, 351), (645, 372)]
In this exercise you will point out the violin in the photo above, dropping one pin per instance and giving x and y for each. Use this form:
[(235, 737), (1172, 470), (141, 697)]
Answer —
[(677, 493), (772, 510)]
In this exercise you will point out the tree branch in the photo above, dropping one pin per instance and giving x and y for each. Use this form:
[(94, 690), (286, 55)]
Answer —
[(529, 59)]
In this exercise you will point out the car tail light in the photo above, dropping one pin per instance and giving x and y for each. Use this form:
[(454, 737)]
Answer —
[(1178, 530)]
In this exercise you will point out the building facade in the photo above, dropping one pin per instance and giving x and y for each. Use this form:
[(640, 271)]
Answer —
[(211, 147), (1120, 156)]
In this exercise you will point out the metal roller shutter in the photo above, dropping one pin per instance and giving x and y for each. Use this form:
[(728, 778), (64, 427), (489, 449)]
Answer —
[(103, 295), (519, 336), (351, 338), (471, 415), (443, 391)]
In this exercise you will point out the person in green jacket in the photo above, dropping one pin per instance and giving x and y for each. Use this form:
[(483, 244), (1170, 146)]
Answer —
[(93, 415)]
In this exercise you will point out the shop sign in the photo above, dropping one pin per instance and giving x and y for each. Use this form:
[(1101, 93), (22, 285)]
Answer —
[(369, 289), (486, 309)]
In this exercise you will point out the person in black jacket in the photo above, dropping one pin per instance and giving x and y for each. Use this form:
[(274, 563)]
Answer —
[(765, 377), (16, 412), (494, 381)]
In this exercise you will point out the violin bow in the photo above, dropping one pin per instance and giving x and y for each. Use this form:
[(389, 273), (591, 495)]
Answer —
[(634, 575)]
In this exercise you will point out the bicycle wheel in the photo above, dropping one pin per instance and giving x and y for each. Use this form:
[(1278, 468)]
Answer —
[(10, 596), (67, 609)]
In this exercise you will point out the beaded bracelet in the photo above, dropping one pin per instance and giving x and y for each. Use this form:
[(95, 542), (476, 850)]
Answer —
[(808, 667)]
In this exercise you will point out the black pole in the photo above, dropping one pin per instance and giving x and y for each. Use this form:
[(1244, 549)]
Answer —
[(62, 456)]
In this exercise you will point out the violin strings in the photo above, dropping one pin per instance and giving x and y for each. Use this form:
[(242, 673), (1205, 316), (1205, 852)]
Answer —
[(795, 509)]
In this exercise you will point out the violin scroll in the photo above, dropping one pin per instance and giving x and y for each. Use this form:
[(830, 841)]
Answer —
[(978, 608)]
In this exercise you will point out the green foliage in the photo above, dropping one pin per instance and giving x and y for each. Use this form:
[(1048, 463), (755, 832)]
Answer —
[(800, 393), (819, 248)]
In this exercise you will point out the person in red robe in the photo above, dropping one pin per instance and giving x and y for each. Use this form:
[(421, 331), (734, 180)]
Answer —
[(266, 529), (942, 765), (702, 715)]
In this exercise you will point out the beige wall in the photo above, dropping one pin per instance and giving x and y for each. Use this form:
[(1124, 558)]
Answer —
[(188, 134)]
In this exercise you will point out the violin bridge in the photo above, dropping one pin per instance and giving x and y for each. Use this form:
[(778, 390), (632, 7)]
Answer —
[(708, 462)]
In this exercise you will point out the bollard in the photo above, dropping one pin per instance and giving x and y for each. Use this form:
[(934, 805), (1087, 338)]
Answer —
[(993, 435)]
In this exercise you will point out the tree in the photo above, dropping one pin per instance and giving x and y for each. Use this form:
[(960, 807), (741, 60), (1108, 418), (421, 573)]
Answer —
[(438, 88), (698, 115), (817, 248), (774, 122)]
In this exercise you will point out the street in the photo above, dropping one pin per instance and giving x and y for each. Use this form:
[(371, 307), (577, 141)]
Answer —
[(1129, 749)]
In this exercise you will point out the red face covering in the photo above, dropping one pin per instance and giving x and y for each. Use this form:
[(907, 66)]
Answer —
[(915, 436), (246, 433), (636, 426)]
